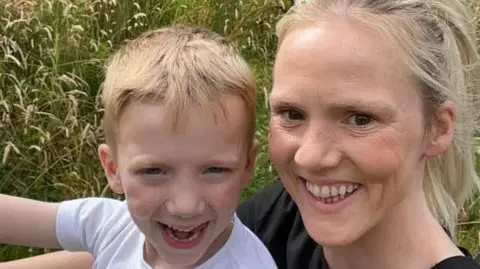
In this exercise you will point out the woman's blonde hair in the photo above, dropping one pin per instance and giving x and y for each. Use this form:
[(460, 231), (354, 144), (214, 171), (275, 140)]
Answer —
[(437, 40)]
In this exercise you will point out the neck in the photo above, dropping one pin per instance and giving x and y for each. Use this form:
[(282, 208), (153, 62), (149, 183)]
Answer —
[(409, 237)]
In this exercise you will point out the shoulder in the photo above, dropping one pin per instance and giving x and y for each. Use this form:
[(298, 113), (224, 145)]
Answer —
[(93, 224), (272, 215), (243, 250), (90, 213), (457, 262), (265, 207), (247, 249), (91, 205), (122, 250)]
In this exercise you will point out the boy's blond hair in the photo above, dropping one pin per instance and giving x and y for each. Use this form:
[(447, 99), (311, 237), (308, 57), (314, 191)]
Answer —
[(176, 66)]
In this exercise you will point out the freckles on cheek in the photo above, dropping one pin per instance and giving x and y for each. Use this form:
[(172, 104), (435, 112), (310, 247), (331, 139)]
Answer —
[(278, 144), (273, 148), (380, 157)]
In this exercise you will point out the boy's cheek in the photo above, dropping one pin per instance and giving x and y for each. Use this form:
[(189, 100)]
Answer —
[(226, 197), (140, 210), (142, 200)]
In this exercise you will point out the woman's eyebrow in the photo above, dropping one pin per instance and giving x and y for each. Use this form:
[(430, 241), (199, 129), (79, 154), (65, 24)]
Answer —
[(354, 104)]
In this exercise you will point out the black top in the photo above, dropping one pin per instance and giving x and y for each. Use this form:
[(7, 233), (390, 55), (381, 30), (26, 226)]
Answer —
[(459, 262), (273, 216)]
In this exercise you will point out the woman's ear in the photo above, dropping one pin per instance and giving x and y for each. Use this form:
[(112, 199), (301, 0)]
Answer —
[(110, 168), (442, 130)]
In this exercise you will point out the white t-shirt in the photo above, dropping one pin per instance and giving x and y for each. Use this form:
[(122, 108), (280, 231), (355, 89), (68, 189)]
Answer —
[(104, 228)]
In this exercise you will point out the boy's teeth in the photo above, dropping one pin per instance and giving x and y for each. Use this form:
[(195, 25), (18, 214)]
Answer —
[(182, 230), (330, 191), (184, 235)]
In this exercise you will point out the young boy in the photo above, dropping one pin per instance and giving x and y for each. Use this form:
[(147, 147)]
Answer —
[(179, 122)]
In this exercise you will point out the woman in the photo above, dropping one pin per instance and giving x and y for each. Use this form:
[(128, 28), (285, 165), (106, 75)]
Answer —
[(371, 131)]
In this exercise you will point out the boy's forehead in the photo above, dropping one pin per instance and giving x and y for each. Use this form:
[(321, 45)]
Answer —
[(200, 133), (222, 117)]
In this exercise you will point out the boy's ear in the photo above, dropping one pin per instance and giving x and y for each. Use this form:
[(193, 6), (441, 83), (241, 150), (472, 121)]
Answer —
[(442, 130), (110, 168), (250, 165), (252, 155)]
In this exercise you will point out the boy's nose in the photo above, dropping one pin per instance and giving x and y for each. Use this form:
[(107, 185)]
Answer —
[(186, 204)]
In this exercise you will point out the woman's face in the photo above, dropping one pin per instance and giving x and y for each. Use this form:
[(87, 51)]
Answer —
[(346, 130)]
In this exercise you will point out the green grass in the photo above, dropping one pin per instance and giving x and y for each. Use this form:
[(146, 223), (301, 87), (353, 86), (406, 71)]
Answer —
[(51, 68), (54, 53)]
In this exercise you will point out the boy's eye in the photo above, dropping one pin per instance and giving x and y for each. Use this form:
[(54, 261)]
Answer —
[(151, 171), (214, 170), (360, 120)]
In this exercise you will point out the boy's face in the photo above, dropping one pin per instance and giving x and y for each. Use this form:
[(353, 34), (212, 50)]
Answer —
[(181, 184)]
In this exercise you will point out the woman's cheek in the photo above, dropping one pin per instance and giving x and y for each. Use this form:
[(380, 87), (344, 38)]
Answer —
[(379, 157), (280, 143)]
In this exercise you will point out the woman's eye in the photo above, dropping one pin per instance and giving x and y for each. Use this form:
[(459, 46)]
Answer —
[(214, 170), (151, 171), (291, 115), (360, 120)]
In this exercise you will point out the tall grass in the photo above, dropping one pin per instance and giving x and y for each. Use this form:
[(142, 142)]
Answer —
[(51, 65), (52, 56)]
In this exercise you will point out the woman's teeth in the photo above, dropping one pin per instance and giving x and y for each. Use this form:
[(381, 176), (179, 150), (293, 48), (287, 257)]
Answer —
[(331, 193)]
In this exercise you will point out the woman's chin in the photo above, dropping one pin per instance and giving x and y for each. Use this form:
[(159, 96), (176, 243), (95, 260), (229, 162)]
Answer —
[(333, 241), (332, 236)]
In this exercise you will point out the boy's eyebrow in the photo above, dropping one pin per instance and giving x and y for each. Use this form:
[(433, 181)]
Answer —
[(143, 160), (221, 159), (225, 158), (228, 160)]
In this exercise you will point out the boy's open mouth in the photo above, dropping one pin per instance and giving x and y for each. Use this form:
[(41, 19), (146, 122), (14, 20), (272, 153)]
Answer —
[(183, 237)]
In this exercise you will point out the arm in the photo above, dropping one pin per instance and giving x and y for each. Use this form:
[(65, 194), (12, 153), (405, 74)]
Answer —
[(27, 222), (57, 260)]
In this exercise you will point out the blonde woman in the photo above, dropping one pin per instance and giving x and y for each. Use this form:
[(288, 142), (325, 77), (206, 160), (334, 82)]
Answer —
[(371, 131)]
